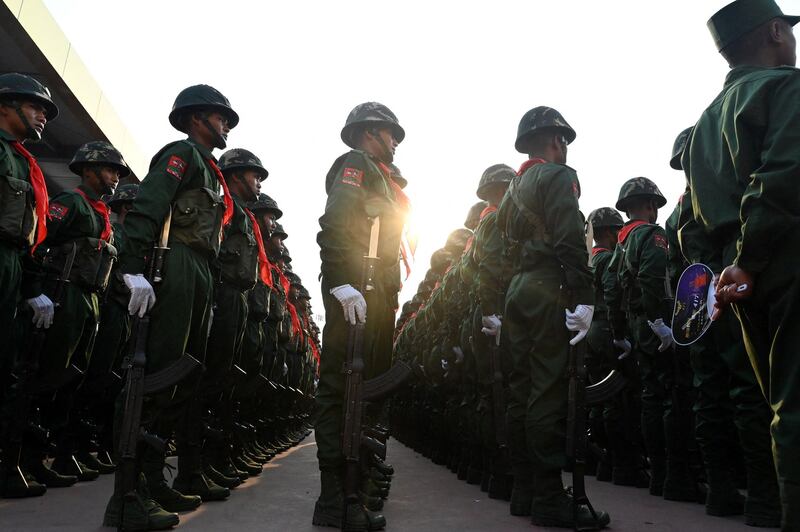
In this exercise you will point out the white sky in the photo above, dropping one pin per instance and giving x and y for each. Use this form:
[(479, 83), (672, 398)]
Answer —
[(627, 75)]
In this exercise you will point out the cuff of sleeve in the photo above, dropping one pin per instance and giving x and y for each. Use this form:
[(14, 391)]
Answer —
[(132, 265)]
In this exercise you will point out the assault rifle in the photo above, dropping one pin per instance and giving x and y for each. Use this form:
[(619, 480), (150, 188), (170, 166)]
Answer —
[(498, 399), (137, 385)]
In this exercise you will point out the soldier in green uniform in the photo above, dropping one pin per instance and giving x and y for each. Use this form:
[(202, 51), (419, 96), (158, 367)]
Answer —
[(80, 233), (359, 176), (642, 291), (236, 271), (729, 400), (619, 415), (540, 220), (493, 276), (184, 182), (25, 109), (474, 215), (742, 165)]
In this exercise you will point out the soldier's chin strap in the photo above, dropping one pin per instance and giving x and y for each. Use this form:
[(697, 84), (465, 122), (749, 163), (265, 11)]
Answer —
[(387, 152), (30, 133), (219, 140)]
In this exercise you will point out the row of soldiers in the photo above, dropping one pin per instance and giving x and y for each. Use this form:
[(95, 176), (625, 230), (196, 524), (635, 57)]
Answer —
[(184, 277), (491, 342)]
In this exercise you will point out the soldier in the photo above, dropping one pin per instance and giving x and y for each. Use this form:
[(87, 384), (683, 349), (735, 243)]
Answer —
[(539, 218), (494, 273), (80, 246), (184, 182), (729, 400), (745, 200), (25, 108), (474, 215), (373, 133), (619, 423)]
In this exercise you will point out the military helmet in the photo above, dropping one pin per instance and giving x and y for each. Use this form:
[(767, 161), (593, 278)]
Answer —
[(541, 119), (367, 115), (303, 293), (605, 217), (99, 152), (287, 258), (294, 279), (124, 193), (457, 241), (239, 158), (739, 18), (497, 173), (474, 215), (678, 147), (440, 260), (265, 203), (280, 232), (199, 98), (14, 86), (639, 187)]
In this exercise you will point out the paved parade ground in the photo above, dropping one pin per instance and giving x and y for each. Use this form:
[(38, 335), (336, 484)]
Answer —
[(424, 497)]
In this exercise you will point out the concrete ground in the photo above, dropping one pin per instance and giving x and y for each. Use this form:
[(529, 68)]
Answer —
[(424, 497)]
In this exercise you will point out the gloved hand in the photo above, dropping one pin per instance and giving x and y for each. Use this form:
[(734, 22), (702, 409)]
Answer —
[(625, 345), (580, 321), (284, 370), (459, 354), (43, 310), (142, 295), (491, 325), (663, 332), (353, 303)]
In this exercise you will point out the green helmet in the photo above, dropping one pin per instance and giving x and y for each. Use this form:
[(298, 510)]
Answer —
[(368, 115), (200, 98), (99, 152), (294, 279), (265, 203), (474, 215), (280, 232), (303, 293), (541, 119), (605, 217), (739, 18), (239, 158), (639, 187), (457, 241), (124, 193), (678, 147), (15, 86), (440, 260), (497, 173), (287, 258)]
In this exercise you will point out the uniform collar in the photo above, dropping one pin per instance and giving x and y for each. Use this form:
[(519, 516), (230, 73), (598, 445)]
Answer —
[(628, 228), (205, 152), (739, 72)]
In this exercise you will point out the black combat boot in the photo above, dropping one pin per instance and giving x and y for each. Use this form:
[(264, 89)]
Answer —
[(658, 470), (680, 484), (88, 459), (14, 483), (330, 509), (723, 498), (137, 511), (168, 498), (553, 507), (192, 481), (69, 465), (33, 464)]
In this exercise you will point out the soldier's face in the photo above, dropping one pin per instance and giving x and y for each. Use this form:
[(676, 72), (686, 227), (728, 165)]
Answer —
[(37, 117), (219, 125), (270, 222), (102, 179), (789, 46), (252, 184)]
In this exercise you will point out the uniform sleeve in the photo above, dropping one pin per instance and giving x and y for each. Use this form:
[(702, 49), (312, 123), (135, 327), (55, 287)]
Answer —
[(565, 225), (770, 205), (612, 293), (652, 274), (489, 256), (340, 258), (152, 203)]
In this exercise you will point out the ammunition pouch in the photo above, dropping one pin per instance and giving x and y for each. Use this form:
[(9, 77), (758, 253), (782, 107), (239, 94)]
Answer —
[(197, 220), (94, 259), (259, 302), (536, 221), (238, 259), (17, 215)]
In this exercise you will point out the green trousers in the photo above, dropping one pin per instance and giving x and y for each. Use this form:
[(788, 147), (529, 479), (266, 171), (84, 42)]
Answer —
[(538, 343), (10, 280), (227, 331)]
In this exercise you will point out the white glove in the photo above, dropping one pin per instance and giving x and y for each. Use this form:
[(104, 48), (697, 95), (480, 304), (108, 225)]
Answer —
[(353, 303), (142, 295), (625, 345), (459, 354), (663, 332), (580, 321), (491, 325), (43, 310), (284, 369)]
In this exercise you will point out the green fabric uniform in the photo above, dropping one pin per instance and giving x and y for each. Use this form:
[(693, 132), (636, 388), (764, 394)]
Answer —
[(354, 179), (742, 164), (544, 224)]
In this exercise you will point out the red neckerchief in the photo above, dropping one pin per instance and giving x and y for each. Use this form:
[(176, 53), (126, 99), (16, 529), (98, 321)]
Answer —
[(487, 211), (289, 305), (39, 193), (598, 249), (530, 163), (226, 218), (628, 229), (100, 208), (263, 261)]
